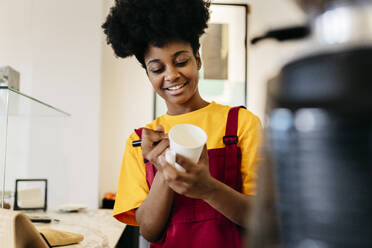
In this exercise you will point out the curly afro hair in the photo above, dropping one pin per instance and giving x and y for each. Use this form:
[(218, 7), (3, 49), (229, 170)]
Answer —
[(133, 25)]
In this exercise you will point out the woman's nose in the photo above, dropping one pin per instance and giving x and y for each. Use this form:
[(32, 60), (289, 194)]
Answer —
[(172, 74)]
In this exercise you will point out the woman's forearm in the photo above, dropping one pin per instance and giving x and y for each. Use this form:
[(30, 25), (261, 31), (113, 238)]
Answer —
[(152, 216), (233, 205)]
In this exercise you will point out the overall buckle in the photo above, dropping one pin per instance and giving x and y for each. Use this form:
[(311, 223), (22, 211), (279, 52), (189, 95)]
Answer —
[(230, 139)]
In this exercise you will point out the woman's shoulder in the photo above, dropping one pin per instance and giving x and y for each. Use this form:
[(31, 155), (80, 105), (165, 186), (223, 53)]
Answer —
[(248, 115), (244, 113), (248, 123)]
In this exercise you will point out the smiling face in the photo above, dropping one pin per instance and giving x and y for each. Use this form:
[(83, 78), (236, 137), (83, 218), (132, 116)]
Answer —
[(173, 71)]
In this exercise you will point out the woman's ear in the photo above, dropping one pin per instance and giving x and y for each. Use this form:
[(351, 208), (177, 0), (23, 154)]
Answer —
[(198, 60)]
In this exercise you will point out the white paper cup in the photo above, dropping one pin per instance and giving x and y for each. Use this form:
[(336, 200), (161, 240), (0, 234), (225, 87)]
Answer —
[(187, 140)]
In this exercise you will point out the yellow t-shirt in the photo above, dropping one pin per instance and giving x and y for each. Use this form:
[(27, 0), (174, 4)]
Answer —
[(132, 188)]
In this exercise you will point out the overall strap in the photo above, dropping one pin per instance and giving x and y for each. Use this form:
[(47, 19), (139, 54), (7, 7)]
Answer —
[(232, 166), (150, 169)]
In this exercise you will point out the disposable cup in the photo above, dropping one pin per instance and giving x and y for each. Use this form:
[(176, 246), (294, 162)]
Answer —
[(187, 140)]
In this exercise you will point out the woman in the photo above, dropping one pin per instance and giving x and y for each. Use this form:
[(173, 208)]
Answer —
[(206, 205)]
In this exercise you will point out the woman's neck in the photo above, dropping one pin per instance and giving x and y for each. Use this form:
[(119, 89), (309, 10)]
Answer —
[(195, 103)]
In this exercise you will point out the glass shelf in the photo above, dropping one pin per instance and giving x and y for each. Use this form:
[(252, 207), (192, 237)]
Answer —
[(32, 134), (17, 103)]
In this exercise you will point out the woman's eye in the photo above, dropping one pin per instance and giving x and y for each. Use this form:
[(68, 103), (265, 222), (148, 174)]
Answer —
[(157, 70), (182, 63)]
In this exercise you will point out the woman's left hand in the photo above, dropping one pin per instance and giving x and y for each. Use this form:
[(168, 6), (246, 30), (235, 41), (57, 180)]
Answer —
[(195, 182)]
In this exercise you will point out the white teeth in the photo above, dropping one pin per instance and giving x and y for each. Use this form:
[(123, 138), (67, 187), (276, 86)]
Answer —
[(176, 87)]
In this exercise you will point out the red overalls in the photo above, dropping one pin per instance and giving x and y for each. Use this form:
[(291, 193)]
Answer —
[(193, 223)]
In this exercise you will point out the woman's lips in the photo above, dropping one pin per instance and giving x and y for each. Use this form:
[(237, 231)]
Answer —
[(177, 89)]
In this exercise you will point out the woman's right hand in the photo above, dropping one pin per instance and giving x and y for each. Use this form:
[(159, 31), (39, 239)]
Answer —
[(154, 143)]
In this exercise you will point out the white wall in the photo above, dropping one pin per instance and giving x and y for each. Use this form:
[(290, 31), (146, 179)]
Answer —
[(126, 103), (56, 46)]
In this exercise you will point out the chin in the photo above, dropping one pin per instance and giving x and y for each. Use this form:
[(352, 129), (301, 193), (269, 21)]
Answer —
[(179, 100)]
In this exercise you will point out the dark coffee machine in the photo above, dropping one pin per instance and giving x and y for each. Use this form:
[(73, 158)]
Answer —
[(319, 135)]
